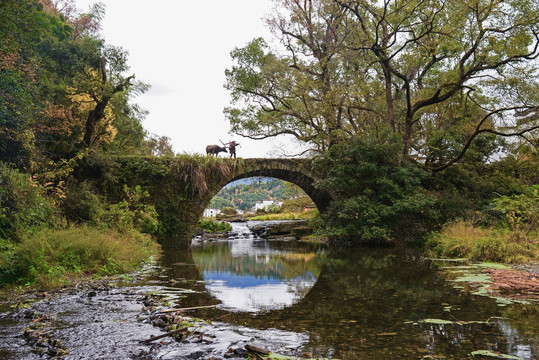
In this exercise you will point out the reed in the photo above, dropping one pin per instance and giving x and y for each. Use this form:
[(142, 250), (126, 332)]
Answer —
[(463, 239)]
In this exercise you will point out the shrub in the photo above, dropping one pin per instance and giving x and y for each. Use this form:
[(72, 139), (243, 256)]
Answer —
[(378, 195), (133, 213), (229, 211), (297, 205), (82, 203), (214, 226), (23, 207), (47, 258), (521, 211)]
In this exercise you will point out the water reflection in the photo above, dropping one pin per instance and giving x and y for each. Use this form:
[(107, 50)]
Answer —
[(251, 276), (348, 304)]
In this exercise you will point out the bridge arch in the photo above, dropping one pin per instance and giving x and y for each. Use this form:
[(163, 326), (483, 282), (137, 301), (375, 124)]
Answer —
[(296, 171)]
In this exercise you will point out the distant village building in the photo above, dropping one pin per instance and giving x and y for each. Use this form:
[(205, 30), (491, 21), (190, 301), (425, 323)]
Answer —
[(266, 204), (211, 212)]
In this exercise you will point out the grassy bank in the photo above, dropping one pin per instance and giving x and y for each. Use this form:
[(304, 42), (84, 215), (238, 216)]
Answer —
[(52, 258), (305, 215), (463, 240)]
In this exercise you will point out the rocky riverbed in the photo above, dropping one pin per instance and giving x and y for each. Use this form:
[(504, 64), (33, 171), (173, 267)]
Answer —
[(111, 320)]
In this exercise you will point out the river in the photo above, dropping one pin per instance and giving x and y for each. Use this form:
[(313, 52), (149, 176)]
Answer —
[(294, 299)]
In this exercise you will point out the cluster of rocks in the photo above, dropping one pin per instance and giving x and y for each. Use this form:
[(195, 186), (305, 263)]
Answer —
[(38, 336), (183, 329), (283, 230)]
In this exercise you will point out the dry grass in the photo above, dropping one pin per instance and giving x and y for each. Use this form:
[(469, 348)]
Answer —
[(199, 171), (462, 239)]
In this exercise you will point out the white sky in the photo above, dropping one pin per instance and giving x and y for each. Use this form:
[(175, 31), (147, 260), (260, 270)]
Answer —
[(182, 49)]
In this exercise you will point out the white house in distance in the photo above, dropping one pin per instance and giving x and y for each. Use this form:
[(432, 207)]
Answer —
[(211, 212), (265, 204)]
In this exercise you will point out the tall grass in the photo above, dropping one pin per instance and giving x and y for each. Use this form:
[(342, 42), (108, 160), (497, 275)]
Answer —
[(198, 171), (51, 257), (462, 239)]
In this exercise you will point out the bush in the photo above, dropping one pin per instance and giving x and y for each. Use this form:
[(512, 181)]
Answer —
[(82, 203), (229, 211), (49, 257), (297, 205), (23, 207), (521, 211), (378, 195), (214, 226)]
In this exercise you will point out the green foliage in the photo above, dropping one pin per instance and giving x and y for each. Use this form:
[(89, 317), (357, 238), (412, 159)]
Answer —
[(521, 211), (214, 226), (445, 77), (23, 206), (297, 204), (378, 196), (132, 213), (82, 203), (468, 191), (56, 74), (47, 258), (245, 196), (229, 211)]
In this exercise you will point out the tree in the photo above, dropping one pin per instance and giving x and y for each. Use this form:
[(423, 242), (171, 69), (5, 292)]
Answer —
[(61, 87), (376, 195), (23, 26), (439, 74), (303, 93), (88, 78)]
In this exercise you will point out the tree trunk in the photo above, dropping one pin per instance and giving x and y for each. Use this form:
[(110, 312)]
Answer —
[(96, 115)]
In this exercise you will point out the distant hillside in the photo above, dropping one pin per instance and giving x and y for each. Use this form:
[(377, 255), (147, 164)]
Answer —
[(243, 194)]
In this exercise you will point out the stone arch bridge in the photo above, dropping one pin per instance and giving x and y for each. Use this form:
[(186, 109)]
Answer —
[(182, 187)]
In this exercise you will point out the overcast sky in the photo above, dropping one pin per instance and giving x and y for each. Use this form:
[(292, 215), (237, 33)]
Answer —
[(182, 49)]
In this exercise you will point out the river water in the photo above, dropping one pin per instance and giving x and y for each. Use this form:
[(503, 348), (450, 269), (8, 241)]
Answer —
[(291, 298)]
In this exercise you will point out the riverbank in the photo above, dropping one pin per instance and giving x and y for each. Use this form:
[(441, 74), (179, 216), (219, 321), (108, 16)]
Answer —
[(53, 258)]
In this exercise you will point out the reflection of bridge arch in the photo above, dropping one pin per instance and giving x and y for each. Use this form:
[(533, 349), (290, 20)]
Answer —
[(296, 171), (182, 265)]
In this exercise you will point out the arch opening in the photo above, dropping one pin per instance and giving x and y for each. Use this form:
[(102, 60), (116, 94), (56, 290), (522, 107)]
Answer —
[(259, 194)]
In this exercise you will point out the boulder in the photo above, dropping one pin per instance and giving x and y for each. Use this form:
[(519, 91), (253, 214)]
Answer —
[(284, 228)]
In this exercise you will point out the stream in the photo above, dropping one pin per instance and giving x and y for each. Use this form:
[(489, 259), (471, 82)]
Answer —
[(291, 298)]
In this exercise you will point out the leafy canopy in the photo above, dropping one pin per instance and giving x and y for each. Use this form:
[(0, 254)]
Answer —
[(440, 75)]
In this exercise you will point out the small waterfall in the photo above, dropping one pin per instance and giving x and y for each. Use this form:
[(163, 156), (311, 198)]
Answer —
[(241, 231)]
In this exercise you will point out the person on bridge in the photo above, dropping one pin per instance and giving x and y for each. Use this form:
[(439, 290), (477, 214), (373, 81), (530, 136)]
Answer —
[(232, 148)]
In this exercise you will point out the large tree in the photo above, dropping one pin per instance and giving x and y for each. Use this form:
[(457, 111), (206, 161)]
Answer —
[(442, 75), (62, 88), (303, 92)]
